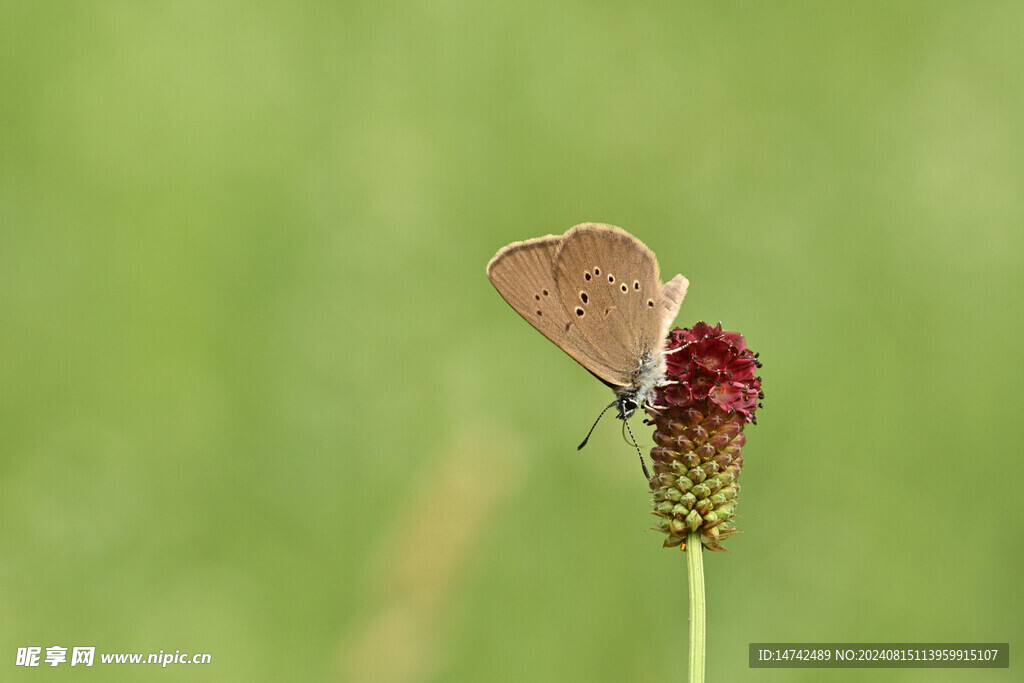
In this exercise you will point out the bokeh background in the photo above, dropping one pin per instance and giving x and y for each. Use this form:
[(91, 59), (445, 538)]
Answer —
[(258, 398)]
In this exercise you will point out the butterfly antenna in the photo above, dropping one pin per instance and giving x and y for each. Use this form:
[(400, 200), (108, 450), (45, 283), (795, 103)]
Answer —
[(643, 465), (595, 424)]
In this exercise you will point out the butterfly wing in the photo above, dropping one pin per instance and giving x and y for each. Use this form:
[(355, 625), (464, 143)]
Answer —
[(617, 305), (672, 293), (522, 274)]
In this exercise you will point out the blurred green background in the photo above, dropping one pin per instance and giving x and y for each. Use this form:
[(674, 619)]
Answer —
[(258, 398)]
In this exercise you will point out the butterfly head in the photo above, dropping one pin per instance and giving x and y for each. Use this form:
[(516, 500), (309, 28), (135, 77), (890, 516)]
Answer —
[(626, 404)]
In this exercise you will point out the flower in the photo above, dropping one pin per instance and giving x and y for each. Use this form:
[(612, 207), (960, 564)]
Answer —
[(699, 414)]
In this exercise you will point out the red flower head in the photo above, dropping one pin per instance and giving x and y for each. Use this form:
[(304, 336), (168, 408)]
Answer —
[(712, 365)]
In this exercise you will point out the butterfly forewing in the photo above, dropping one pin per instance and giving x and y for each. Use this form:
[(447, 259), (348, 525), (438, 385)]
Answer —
[(672, 293), (611, 281)]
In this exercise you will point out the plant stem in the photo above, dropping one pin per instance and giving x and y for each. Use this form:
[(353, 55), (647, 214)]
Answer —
[(695, 569)]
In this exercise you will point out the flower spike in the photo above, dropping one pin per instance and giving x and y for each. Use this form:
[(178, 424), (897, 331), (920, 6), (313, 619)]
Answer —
[(711, 393)]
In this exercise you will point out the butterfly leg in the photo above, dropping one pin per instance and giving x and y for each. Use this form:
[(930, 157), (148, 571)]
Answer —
[(678, 348), (654, 408)]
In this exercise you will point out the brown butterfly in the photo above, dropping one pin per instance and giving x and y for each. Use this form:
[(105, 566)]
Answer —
[(596, 293)]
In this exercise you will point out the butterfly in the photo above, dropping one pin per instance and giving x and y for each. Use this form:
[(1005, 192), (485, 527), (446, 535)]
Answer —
[(596, 293)]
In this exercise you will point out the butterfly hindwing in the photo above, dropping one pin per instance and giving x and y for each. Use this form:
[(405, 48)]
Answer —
[(521, 272)]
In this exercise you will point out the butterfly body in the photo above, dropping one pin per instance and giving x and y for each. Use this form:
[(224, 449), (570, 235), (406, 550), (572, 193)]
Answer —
[(595, 292), (637, 393)]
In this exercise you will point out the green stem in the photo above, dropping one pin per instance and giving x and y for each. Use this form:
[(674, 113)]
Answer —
[(695, 569)]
